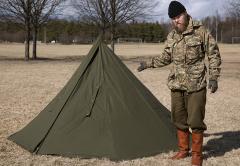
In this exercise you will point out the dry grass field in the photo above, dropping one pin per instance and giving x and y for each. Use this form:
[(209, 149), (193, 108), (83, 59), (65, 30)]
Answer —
[(27, 87)]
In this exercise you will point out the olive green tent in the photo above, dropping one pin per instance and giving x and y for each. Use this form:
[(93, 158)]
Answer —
[(103, 111)]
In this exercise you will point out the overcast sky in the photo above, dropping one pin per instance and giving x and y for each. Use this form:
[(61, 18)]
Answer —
[(198, 9)]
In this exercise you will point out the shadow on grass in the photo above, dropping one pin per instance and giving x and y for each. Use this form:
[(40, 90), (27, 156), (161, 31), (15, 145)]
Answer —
[(225, 142)]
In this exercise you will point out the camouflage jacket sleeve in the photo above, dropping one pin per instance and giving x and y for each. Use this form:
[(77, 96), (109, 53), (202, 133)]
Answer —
[(165, 58), (214, 58)]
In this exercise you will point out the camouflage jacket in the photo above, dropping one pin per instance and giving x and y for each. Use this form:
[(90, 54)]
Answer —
[(186, 53)]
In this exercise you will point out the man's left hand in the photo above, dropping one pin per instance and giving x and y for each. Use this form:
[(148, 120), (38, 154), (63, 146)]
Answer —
[(213, 85)]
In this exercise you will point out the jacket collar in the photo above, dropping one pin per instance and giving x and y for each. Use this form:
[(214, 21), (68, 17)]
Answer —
[(189, 27)]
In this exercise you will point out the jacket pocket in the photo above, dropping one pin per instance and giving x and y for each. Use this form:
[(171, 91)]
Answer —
[(193, 50), (197, 71)]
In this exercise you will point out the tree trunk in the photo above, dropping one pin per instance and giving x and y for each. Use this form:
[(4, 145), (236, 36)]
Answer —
[(45, 35), (35, 33), (113, 37), (112, 42), (103, 32), (27, 41)]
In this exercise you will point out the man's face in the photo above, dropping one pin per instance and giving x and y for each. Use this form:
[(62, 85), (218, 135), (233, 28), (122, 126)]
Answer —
[(180, 22)]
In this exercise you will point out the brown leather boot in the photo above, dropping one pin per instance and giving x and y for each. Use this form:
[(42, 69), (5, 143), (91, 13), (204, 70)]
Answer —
[(183, 145), (197, 143)]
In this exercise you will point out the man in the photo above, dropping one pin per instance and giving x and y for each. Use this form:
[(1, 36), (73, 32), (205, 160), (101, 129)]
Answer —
[(186, 47)]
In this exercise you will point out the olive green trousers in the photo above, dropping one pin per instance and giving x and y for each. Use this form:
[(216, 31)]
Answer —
[(188, 110)]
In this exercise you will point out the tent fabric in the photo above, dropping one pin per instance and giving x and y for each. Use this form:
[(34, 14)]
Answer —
[(103, 111)]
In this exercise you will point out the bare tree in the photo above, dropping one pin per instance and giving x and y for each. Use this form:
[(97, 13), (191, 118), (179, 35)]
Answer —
[(41, 11), (107, 14), (234, 8), (93, 11), (125, 10), (18, 11)]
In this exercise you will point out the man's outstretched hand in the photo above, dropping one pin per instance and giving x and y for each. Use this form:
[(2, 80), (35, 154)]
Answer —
[(143, 65), (213, 85)]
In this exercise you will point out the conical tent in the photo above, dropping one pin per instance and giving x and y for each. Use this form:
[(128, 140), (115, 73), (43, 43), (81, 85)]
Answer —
[(103, 111)]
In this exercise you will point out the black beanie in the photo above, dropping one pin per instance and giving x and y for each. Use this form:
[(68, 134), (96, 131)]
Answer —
[(175, 8)]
